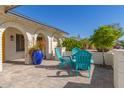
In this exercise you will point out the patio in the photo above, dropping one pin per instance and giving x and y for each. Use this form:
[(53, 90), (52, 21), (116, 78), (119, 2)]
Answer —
[(48, 75)]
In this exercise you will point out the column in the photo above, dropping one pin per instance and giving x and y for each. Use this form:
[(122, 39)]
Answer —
[(1, 55)]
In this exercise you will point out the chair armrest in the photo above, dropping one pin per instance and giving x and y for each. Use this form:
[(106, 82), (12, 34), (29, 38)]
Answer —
[(91, 61), (67, 57), (73, 56)]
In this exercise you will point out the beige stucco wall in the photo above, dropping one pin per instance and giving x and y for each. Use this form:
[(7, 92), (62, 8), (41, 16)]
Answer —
[(29, 30), (119, 68), (10, 46), (29, 34)]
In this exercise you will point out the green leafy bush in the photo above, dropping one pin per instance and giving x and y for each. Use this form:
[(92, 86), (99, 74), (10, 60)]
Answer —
[(104, 38), (86, 43), (70, 43)]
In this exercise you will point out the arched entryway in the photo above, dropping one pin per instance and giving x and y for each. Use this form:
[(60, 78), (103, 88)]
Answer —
[(13, 46), (40, 40), (10, 33)]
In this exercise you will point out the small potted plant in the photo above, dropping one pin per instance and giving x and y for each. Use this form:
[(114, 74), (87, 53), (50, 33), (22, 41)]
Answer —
[(36, 54)]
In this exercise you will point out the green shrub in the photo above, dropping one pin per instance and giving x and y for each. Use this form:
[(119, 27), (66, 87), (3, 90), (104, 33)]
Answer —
[(70, 43), (86, 43), (104, 38)]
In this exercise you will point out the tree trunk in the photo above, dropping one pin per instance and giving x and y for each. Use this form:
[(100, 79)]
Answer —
[(103, 58)]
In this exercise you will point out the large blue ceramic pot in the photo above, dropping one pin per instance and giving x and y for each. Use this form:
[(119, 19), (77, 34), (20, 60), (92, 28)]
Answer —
[(37, 57)]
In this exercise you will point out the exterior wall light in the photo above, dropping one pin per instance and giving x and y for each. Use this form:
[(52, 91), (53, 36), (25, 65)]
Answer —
[(12, 38)]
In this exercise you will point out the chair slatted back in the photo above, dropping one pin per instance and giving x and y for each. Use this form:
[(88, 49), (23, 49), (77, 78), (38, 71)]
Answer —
[(83, 59), (75, 50)]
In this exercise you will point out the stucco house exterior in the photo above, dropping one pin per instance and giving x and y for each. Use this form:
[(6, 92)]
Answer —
[(18, 33)]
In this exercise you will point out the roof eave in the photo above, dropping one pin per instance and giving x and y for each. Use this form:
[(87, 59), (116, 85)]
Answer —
[(11, 7), (30, 19)]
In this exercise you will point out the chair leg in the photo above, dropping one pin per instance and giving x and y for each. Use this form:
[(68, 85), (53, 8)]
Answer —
[(61, 65), (77, 72), (88, 72), (71, 66)]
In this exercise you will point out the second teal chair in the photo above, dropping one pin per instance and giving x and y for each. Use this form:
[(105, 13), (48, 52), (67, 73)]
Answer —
[(82, 61), (75, 50)]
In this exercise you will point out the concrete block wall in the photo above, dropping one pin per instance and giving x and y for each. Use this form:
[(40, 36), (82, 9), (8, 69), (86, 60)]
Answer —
[(119, 68), (98, 58)]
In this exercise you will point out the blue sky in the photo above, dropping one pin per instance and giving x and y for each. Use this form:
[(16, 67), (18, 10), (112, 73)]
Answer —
[(82, 20)]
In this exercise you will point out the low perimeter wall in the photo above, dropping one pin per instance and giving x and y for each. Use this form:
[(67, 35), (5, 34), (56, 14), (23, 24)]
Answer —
[(98, 57)]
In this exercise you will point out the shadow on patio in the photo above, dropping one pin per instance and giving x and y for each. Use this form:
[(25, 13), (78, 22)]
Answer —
[(16, 62), (49, 67), (70, 73), (101, 78)]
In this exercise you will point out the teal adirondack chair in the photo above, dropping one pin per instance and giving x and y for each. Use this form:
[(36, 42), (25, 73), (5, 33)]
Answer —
[(75, 50), (65, 60), (82, 61)]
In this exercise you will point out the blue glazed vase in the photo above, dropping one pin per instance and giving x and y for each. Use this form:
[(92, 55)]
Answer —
[(37, 57)]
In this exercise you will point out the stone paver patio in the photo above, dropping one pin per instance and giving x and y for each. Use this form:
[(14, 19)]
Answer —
[(48, 75)]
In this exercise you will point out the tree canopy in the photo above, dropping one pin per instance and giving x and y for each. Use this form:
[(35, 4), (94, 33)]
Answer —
[(105, 36)]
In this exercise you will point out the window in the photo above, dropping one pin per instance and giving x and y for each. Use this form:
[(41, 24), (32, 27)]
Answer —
[(20, 42)]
